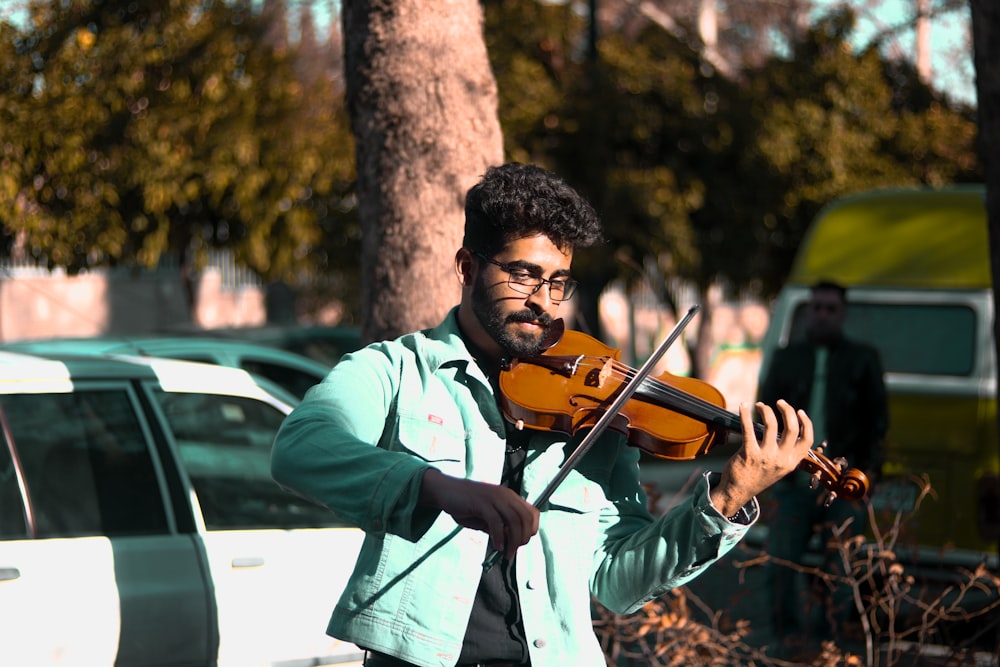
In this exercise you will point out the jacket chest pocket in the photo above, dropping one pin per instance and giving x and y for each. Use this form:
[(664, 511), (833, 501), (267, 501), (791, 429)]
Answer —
[(581, 497), (574, 508), (431, 440), (570, 526)]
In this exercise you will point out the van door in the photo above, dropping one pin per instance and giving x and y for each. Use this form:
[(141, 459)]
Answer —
[(278, 563), (93, 571)]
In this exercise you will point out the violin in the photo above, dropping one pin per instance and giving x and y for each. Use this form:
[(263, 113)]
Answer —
[(571, 383)]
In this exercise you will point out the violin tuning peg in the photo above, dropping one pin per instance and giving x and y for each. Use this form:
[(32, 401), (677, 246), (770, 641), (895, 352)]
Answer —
[(841, 463), (814, 480), (830, 497)]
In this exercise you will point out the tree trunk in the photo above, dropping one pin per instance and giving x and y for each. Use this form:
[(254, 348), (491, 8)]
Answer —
[(986, 48), (923, 42), (423, 106)]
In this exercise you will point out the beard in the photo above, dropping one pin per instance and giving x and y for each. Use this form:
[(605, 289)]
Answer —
[(515, 342)]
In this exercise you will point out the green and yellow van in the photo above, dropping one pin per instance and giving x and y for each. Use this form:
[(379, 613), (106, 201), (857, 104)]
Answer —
[(917, 267)]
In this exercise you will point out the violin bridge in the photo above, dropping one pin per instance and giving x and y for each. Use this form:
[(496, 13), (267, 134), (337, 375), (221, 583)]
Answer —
[(605, 373)]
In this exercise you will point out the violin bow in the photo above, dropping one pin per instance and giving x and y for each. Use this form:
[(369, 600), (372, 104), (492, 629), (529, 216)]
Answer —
[(605, 419)]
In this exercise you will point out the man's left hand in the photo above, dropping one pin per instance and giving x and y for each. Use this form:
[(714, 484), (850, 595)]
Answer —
[(759, 464)]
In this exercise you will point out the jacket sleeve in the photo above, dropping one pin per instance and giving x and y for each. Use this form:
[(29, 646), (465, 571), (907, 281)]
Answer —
[(641, 558), (327, 450)]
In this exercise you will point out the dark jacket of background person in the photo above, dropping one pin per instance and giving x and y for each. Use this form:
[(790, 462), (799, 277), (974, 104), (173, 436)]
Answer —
[(856, 405)]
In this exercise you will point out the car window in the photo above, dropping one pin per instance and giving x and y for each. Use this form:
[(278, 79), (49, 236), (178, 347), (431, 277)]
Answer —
[(292, 380), (87, 466), (927, 339), (327, 351), (225, 446), (295, 381)]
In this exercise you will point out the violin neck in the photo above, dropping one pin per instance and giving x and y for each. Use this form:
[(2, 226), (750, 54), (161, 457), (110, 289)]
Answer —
[(692, 406)]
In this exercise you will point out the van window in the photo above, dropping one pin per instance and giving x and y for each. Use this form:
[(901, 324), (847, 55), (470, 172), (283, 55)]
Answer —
[(225, 446), (925, 339), (87, 467)]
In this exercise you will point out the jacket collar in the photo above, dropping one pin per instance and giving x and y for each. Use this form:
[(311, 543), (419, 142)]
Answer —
[(445, 345)]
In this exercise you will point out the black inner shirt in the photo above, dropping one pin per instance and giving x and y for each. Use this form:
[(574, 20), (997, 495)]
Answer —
[(496, 630)]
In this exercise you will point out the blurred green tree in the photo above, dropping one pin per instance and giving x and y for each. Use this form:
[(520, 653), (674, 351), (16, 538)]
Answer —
[(828, 123), (128, 130), (714, 178), (132, 130)]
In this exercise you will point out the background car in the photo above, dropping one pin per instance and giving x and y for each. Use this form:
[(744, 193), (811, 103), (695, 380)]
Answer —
[(294, 372), (139, 524), (326, 344)]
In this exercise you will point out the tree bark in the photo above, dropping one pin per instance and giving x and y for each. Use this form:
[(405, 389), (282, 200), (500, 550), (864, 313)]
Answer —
[(986, 57), (423, 106)]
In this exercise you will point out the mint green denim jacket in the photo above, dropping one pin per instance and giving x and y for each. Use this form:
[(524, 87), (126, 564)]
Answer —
[(359, 444)]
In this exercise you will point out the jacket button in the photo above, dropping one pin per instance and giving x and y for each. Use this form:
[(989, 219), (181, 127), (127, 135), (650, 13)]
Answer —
[(539, 643), (530, 585)]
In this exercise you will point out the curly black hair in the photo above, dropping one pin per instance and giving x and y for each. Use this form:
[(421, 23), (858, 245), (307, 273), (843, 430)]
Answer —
[(516, 200)]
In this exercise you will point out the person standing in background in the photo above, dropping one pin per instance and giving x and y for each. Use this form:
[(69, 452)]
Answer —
[(841, 382)]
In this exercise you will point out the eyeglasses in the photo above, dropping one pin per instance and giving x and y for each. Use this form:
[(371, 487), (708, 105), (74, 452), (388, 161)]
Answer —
[(525, 282)]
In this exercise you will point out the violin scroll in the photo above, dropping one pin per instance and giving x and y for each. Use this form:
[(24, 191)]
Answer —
[(839, 480)]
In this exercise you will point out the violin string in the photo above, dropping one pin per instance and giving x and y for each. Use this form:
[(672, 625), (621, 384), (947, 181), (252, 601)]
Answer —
[(694, 404), (684, 400), (663, 391)]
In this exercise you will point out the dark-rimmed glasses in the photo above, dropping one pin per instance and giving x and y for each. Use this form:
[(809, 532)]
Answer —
[(525, 282)]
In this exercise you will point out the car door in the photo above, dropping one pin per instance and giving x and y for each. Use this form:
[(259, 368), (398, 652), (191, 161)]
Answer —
[(93, 570), (278, 562)]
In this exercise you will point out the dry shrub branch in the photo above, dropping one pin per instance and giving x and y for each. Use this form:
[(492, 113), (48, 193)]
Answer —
[(902, 618)]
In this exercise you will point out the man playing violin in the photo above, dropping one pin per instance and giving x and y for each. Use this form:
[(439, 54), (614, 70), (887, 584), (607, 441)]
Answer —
[(406, 440)]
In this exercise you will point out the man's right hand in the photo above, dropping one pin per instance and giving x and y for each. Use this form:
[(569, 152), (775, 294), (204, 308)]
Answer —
[(506, 517)]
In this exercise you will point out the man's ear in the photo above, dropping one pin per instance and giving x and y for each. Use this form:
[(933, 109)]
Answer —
[(464, 267)]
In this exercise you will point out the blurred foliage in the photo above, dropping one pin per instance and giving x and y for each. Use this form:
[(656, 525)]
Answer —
[(128, 130), (827, 123), (134, 129), (715, 178)]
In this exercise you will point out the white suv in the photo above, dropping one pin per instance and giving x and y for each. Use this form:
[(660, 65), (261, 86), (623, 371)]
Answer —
[(139, 524), (293, 372)]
